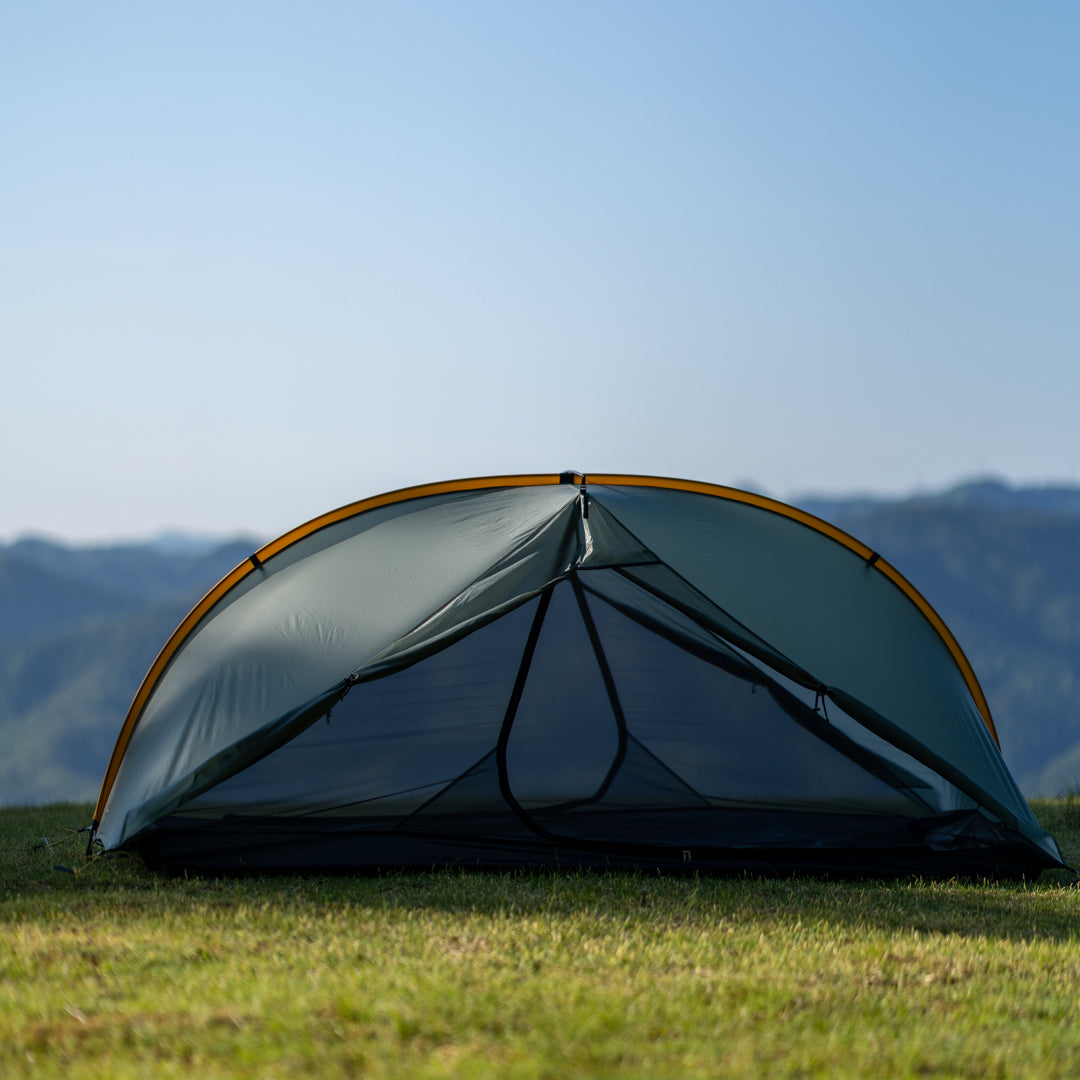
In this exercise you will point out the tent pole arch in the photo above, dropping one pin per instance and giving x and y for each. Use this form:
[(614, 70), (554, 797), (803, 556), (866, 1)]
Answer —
[(191, 622)]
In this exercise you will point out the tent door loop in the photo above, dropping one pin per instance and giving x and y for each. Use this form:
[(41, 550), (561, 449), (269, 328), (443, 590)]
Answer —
[(819, 704), (349, 682)]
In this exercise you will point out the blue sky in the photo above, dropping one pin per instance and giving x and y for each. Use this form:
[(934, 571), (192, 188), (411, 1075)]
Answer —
[(261, 259)]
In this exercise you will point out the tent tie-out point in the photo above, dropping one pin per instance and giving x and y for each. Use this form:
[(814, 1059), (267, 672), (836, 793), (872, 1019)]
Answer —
[(612, 671)]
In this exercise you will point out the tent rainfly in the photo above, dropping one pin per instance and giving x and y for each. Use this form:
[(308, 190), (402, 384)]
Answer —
[(554, 670)]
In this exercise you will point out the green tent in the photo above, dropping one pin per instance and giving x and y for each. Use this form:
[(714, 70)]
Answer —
[(561, 670)]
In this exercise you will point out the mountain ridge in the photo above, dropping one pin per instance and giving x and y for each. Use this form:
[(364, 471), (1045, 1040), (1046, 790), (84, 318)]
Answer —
[(80, 625)]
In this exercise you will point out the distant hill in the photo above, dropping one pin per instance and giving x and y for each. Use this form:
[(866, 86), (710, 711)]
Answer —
[(80, 626), (985, 494), (46, 587)]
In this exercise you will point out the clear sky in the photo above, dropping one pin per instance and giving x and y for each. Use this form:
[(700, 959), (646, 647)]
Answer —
[(260, 259)]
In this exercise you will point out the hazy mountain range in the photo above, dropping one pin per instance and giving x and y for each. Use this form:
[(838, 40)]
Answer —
[(79, 626)]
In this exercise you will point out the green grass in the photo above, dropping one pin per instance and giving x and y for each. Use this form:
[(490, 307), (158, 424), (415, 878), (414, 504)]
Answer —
[(115, 972)]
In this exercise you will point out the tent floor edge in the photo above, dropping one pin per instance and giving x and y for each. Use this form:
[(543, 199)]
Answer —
[(960, 844)]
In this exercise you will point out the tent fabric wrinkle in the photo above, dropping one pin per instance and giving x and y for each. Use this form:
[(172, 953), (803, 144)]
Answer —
[(567, 670)]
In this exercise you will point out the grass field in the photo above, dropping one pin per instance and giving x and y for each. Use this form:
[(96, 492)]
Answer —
[(114, 972)]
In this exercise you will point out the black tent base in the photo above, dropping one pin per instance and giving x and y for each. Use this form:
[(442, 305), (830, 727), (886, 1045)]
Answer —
[(961, 844)]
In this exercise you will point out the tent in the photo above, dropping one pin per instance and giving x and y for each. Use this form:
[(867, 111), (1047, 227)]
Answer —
[(561, 670)]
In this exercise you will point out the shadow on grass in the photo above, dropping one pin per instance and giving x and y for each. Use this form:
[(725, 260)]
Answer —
[(1045, 910)]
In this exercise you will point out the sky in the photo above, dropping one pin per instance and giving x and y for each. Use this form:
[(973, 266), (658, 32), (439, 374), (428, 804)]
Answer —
[(262, 259)]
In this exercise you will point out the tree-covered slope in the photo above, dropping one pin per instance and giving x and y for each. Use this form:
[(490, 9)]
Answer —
[(79, 627)]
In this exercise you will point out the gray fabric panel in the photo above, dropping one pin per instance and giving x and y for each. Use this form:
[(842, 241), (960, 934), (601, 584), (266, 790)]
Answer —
[(524, 572), (392, 744), (306, 626), (621, 592), (820, 604), (727, 738)]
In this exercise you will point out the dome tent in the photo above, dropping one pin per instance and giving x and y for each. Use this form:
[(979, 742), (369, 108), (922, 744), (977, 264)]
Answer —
[(560, 670)]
